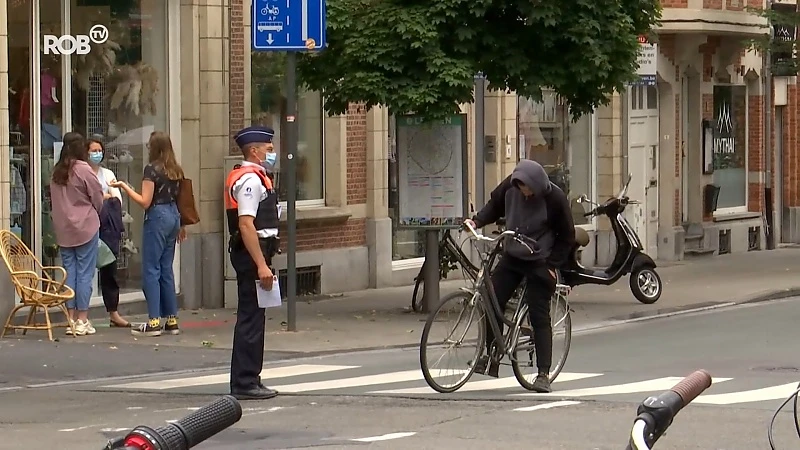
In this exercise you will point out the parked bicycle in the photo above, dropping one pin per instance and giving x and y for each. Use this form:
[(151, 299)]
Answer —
[(478, 306)]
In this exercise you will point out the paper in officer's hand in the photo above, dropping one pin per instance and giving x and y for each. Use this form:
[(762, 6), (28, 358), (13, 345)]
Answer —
[(271, 298)]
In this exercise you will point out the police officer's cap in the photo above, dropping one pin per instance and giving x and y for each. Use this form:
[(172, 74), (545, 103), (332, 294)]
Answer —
[(254, 135)]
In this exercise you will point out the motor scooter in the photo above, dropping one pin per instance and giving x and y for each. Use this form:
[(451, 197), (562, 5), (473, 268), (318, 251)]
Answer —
[(629, 258)]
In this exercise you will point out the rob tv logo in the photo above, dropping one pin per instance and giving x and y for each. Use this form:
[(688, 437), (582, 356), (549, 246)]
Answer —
[(80, 44)]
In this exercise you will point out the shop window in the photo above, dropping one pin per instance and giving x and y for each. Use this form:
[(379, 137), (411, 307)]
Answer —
[(729, 150), (564, 148), (268, 108)]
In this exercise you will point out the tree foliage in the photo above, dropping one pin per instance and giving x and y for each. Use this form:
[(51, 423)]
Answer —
[(420, 56), (782, 46)]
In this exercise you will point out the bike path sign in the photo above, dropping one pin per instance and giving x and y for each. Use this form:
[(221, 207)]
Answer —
[(288, 25)]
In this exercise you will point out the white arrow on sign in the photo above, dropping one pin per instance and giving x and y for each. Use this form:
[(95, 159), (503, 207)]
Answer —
[(269, 39)]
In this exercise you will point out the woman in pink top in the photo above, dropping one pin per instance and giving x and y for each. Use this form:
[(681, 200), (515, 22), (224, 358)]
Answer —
[(77, 198)]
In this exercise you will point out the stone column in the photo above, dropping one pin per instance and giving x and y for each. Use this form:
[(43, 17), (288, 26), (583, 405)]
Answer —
[(379, 225), (8, 299), (205, 127)]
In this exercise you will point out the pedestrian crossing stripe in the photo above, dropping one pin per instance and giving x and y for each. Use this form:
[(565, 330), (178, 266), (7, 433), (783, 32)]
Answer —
[(488, 385), (341, 380), (224, 378)]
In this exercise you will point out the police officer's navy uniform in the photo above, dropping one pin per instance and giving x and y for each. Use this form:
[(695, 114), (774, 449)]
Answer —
[(249, 191)]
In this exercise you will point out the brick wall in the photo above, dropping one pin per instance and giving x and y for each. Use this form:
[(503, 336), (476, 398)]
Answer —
[(791, 154), (322, 235), (755, 151), (356, 155), (675, 3), (236, 64), (712, 4)]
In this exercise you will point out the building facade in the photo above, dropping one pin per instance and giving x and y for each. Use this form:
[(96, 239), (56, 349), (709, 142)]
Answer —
[(699, 124)]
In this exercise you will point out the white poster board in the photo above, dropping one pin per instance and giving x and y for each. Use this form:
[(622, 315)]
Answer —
[(431, 166)]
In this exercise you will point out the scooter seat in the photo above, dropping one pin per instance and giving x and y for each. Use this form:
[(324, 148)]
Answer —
[(581, 237)]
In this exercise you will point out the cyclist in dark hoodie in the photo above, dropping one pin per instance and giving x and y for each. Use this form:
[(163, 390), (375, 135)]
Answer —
[(538, 209)]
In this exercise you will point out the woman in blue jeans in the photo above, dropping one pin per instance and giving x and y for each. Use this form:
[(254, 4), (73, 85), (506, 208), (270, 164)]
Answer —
[(162, 230), (77, 198)]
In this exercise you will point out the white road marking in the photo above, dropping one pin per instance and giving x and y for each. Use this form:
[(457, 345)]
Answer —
[(223, 378), (779, 392), (548, 405), (654, 385), (484, 385), (114, 430), (262, 411), (68, 430), (385, 437), (367, 380)]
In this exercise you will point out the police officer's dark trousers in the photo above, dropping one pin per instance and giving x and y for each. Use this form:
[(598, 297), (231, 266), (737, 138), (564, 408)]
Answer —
[(248, 335)]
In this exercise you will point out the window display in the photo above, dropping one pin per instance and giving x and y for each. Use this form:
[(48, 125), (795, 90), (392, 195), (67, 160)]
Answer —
[(564, 148), (268, 97), (730, 151)]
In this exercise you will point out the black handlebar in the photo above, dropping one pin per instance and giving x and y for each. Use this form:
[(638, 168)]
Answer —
[(185, 433), (657, 412)]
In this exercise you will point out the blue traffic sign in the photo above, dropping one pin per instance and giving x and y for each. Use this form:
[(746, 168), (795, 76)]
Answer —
[(288, 25)]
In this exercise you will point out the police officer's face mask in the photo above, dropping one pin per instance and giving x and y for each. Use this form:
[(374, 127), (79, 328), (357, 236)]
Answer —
[(269, 160)]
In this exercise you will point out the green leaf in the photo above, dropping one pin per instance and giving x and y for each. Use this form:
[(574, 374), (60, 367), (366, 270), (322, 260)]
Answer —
[(420, 56)]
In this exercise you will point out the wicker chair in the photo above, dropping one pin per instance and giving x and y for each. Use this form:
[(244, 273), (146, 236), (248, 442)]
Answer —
[(35, 285)]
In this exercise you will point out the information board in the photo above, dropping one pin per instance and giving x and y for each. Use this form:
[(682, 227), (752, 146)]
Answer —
[(431, 172)]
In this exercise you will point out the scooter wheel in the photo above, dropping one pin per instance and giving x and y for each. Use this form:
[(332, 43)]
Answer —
[(646, 285)]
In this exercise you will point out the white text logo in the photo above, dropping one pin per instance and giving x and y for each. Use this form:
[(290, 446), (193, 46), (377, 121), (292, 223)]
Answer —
[(80, 44)]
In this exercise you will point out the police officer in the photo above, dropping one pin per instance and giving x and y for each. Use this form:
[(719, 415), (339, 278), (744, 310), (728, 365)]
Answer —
[(251, 207)]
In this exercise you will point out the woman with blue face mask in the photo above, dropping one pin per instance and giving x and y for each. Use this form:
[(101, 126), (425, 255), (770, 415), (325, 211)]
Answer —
[(111, 228)]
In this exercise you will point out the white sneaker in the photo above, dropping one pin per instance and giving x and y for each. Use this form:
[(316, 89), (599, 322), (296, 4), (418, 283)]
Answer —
[(84, 327), (69, 330)]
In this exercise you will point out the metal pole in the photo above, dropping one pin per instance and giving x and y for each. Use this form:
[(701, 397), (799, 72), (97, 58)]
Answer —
[(291, 181), (430, 292), (768, 209), (480, 136)]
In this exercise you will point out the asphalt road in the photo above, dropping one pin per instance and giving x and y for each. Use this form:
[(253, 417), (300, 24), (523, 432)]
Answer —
[(341, 401)]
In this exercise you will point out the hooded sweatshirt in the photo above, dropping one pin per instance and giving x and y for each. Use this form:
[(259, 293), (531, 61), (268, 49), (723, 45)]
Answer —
[(544, 216)]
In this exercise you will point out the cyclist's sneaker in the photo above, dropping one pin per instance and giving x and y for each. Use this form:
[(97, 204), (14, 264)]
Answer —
[(172, 326), (480, 367), (150, 328), (542, 384)]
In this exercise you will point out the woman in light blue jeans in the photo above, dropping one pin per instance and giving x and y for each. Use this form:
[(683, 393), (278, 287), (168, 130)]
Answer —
[(77, 198), (162, 230)]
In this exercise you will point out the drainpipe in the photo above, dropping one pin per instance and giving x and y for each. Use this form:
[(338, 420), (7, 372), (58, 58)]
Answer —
[(768, 207)]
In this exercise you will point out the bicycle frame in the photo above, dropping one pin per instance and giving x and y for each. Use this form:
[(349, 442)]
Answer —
[(506, 344), (482, 286)]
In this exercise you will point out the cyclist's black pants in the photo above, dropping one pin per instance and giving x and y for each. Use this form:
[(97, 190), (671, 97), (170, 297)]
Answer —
[(507, 276)]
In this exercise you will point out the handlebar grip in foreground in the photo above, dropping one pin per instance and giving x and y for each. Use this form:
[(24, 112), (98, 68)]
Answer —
[(692, 386), (187, 432), (658, 411)]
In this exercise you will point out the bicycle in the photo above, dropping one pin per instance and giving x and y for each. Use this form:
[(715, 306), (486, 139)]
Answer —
[(453, 256), (472, 304), (656, 413)]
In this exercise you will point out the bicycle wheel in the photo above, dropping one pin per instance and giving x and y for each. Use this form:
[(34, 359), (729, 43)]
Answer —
[(524, 361), (419, 290), (469, 316)]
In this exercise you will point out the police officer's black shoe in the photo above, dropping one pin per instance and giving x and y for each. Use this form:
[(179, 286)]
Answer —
[(256, 393)]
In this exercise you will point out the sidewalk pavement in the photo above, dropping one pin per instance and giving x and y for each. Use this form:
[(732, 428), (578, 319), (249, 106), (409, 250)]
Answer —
[(381, 318)]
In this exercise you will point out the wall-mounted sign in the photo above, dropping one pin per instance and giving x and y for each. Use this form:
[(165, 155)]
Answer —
[(647, 61), (783, 41)]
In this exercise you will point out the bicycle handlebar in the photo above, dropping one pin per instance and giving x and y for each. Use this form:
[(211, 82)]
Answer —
[(185, 433), (514, 235), (655, 413)]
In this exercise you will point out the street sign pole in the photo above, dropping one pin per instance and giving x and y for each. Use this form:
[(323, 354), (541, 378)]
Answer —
[(296, 26), (291, 225)]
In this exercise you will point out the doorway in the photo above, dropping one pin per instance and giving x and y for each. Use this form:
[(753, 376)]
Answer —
[(643, 164)]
